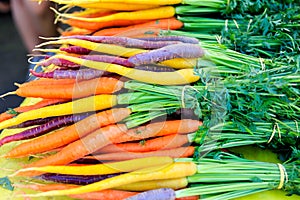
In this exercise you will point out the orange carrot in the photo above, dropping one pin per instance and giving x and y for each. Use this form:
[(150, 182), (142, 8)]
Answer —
[(181, 152), (102, 85), (45, 102), (69, 134), (166, 24), (79, 148), (99, 25), (159, 143), (109, 194), (90, 13), (76, 31), (48, 81), (159, 129)]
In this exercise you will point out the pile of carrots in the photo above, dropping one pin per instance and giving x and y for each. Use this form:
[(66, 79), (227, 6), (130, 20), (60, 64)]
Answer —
[(112, 18), (87, 114), (94, 134)]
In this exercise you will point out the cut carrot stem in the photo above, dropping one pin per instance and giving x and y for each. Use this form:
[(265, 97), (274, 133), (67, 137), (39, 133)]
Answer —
[(106, 168), (175, 170), (166, 24), (103, 85), (69, 134), (181, 152), (159, 143), (44, 102)]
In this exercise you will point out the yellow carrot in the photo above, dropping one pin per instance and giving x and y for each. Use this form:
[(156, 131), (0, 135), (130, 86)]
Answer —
[(148, 14), (93, 103), (149, 2), (175, 170), (182, 76), (107, 168), (175, 184), (116, 6), (98, 47)]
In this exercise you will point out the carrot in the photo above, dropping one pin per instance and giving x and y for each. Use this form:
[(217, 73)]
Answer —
[(147, 14), (81, 74), (44, 128), (98, 102), (90, 13), (102, 85), (76, 31), (148, 2), (48, 81), (97, 195), (75, 49), (112, 50), (106, 168), (116, 6), (182, 76), (99, 47), (124, 41), (44, 102), (176, 183), (94, 26), (183, 39), (181, 152), (168, 52), (166, 24), (80, 148), (159, 143), (175, 170), (69, 134), (73, 179), (161, 194), (159, 129)]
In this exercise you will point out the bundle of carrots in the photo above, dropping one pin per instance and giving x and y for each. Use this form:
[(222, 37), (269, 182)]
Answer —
[(112, 125), (112, 18)]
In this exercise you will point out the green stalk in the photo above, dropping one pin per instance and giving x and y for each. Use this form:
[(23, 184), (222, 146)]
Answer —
[(224, 175)]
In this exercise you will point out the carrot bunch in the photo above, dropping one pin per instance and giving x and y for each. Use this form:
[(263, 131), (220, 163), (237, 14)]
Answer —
[(117, 17), (163, 60)]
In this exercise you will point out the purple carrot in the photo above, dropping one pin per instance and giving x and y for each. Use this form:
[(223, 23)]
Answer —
[(154, 68), (157, 194), (59, 62), (183, 39), (56, 123), (74, 179), (75, 49), (81, 74), (125, 41), (167, 53), (108, 59), (32, 122), (99, 58)]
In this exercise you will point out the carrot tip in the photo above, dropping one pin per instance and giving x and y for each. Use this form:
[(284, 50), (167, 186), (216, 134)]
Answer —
[(8, 93), (17, 84)]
